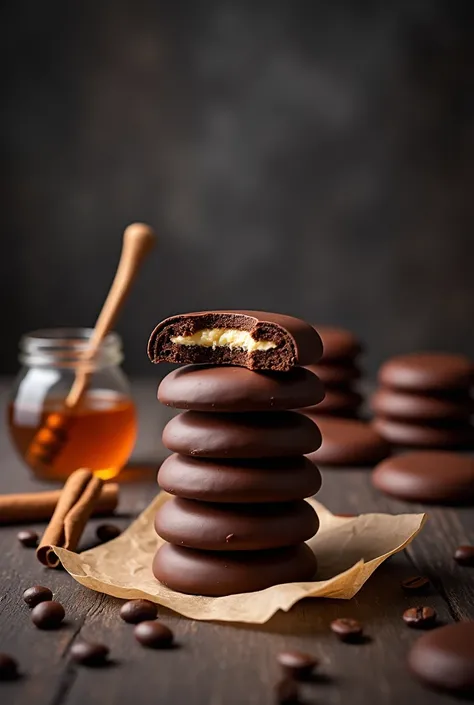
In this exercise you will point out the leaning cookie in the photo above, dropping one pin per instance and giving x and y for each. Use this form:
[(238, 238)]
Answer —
[(252, 339)]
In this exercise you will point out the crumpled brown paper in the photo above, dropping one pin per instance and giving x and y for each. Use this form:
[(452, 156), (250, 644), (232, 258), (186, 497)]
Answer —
[(348, 552)]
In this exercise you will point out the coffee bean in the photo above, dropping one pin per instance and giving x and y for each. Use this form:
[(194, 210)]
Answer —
[(29, 539), (420, 617), (107, 532), (48, 615), (8, 668), (36, 594), (347, 629), (464, 555), (287, 692), (135, 611), (297, 664), (153, 634), (417, 583), (89, 653)]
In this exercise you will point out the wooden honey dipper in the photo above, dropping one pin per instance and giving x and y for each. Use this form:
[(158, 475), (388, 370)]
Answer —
[(138, 240)]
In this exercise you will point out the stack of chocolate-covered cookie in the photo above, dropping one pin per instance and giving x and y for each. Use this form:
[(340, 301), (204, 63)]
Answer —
[(339, 371), (238, 521), (425, 400)]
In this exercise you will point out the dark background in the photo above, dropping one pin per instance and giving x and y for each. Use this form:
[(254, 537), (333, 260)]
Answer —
[(314, 158)]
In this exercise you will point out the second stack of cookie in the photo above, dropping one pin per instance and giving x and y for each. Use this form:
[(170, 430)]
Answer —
[(425, 400), (339, 371)]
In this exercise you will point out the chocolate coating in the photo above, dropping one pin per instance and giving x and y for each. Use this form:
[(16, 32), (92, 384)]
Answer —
[(265, 480), (228, 573), (297, 343), (338, 343), (444, 658), (230, 388), (335, 374), (337, 402), (258, 435), (348, 442), (235, 527), (420, 435), (427, 476), (428, 372), (421, 407)]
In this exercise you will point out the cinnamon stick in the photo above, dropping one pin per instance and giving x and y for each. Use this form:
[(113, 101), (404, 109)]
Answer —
[(78, 498), (38, 506)]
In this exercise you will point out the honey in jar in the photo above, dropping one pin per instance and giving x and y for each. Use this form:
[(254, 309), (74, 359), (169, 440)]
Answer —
[(99, 433)]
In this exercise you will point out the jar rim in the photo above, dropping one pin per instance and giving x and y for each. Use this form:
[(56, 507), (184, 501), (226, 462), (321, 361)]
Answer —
[(75, 338), (68, 347)]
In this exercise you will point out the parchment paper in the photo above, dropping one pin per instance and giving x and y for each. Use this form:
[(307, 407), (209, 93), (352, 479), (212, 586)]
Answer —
[(348, 551)]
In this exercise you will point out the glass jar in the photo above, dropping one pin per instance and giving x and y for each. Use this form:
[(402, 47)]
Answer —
[(98, 432)]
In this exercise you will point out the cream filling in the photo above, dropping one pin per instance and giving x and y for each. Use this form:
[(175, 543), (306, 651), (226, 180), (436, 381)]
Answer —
[(224, 338)]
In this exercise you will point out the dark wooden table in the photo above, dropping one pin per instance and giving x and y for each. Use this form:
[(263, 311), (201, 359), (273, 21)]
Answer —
[(228, 664)]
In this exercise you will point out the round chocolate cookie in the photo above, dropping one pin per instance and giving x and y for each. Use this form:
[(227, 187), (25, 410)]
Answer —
[(338, 343), (426, 372), (254, 339), (335, 374), (422, 407), (444, 658), (226, 573), (348, 442), (427, 476), (235, 527), (419, 435), (258, 435), (264, 480), (226, 388), (337, 402)]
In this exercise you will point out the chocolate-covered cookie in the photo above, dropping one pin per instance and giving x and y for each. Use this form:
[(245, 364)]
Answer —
[(252, 339), (215, 574), (335, 374), (418, 435), (235, 527), (338, 343), (407, 406), (444, 658), (264, 480), (426, 372), (343, 402), (231, 388), (348, 442), (258, 435), (438, 477)]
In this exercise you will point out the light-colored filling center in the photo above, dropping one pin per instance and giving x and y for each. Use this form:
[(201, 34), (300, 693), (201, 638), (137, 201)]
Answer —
[(224, 338)]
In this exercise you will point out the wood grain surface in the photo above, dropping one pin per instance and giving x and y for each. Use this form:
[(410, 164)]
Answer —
[(227, 664)]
